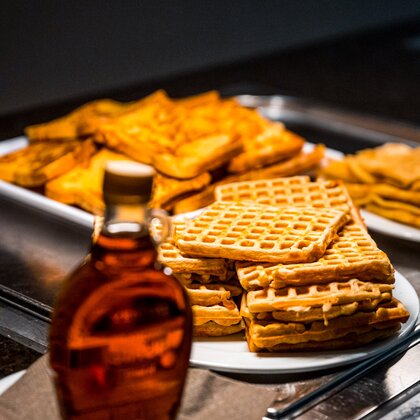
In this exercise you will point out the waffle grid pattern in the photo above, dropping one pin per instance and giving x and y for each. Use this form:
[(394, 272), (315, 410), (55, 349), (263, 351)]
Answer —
[(260, 233), (352, 254)]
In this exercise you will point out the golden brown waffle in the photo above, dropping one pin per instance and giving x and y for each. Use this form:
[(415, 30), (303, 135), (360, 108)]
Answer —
[(170, 256), (309, 314), (351, 340), (166, 190), (273, 145), (213, 329), (188, 278), (40, 162), (216, 320), (269, 299), (213, 294), (268, 334), (298, 164), (353, 254), (295, 191), (82, 186), (260, 233)]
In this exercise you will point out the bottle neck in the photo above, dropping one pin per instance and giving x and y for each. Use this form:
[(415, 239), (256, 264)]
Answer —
[(124, 240), (125, 220)]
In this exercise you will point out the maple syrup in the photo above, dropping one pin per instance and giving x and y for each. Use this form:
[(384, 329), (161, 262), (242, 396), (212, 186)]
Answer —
[(120, 337)]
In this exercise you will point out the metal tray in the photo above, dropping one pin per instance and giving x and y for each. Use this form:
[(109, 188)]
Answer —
[(41, 240)]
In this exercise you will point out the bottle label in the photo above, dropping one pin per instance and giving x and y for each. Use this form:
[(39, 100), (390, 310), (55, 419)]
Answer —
[(127, 355)]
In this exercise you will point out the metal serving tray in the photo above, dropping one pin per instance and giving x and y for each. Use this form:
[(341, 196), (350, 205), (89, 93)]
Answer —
[(42, 240)]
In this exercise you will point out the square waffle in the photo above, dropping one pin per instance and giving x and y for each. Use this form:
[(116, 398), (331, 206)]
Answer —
[(295, 191), (269, 299), (213, 294), (353, 254), (170, 256), (350, 340), (260, 233), (268, 334), (312, 313), (216, 320)]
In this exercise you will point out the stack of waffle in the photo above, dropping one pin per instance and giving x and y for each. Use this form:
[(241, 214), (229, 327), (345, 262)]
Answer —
[(313, 277), (212, 287)]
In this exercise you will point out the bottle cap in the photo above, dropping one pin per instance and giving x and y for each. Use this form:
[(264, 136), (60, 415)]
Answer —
[(127, 182)]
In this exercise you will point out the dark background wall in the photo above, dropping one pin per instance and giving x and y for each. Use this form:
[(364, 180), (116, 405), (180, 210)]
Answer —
[(56, 50)]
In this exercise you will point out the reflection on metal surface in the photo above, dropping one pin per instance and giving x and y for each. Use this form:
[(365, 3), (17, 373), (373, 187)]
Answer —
[(368, 395), (360, 390)]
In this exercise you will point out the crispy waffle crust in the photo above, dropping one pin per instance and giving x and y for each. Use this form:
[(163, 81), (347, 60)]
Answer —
[(352, 254), (268, 334), (213, 329), (260, 233), (301, 163), (354, 290), (312, 313), (295, 191), (170, 256), (350, 340), (213, 294), (224, 314)]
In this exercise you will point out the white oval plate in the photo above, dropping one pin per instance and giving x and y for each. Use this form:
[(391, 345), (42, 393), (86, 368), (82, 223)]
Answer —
[(389, 227), (231, 353)]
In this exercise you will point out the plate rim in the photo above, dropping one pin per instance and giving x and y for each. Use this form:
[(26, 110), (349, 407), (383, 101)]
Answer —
[(401, 231), (331, 361)]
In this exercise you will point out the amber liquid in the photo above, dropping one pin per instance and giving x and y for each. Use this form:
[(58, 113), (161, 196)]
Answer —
[(120, 337)]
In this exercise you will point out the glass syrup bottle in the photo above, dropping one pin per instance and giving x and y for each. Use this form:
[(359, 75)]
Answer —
[(120, 336)]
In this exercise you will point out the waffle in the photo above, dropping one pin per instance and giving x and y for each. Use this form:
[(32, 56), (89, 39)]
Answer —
[(260, 233), (43, 161), (297, 164), (274, 144), (269, 299), (189, 278), (309, 314), (352, 255), (221, 314), (216, 320), (268, 334), (170, 256), (213, 329), (351, 340), (166, 190), (295, 191), (213, 294)]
